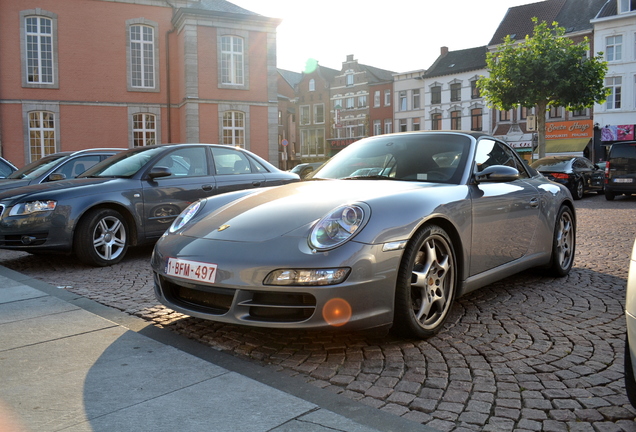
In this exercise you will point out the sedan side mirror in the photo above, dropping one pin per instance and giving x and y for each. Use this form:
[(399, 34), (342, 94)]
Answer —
[(57, 177), (159, 171), (497, 173)]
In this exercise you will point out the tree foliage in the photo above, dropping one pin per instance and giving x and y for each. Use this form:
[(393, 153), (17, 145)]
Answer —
[(545, 69)]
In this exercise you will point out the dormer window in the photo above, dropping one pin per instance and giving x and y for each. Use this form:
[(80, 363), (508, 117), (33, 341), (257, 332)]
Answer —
[(625, 6)]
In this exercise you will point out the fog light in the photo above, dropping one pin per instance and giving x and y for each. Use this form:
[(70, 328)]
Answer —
[(27, 240)]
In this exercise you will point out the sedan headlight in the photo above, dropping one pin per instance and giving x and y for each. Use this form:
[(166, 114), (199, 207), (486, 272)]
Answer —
[(337, 227), (186, 216), (32, 207)]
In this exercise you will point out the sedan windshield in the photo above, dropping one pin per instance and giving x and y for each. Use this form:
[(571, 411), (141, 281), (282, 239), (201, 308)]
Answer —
[(37, 168), (412, 157), (125, 164)]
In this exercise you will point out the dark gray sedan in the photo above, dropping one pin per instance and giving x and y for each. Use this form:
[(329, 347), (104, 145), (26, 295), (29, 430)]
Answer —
[(439, 215), (129, 199)]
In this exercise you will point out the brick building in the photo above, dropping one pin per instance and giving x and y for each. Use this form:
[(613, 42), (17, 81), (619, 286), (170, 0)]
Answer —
[(123, 73)]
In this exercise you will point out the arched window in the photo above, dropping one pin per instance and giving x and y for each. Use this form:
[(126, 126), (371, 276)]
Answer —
[(144, 130), (234, 128)]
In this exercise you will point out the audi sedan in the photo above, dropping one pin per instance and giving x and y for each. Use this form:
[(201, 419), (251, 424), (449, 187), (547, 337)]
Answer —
[(576, 173), (126, 200), (437, 215)]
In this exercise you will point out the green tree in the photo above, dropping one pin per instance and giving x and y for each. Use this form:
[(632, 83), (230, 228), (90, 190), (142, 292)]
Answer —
[(546, 69)]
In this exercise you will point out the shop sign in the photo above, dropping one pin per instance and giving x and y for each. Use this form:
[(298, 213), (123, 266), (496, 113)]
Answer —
[(617, 133), (569, 129)]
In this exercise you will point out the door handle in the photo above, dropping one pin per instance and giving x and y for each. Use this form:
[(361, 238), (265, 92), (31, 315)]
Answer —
[(534, 202), (207, 187), (256, 183)]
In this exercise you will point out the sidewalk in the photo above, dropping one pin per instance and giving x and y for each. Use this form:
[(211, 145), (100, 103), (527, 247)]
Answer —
[(68, 363)]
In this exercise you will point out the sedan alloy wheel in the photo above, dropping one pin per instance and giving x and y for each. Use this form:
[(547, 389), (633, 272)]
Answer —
[(101, 237)]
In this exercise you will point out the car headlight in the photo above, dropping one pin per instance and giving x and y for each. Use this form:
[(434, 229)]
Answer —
[(307, 276), (186, 216), (32, 207), (337, 227)]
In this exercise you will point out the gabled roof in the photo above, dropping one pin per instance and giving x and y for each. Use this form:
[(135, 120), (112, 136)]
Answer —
[(327, 73), (291, 77), (610, 8), (517, 20), (377, 75), (458, 61), (575, 15)]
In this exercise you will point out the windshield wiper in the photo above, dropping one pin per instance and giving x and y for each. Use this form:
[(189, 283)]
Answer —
[(369, 177)]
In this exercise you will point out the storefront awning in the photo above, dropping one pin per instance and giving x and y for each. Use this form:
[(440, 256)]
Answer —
[(566, 145)]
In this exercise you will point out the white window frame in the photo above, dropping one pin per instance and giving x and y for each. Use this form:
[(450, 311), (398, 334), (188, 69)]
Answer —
[(362, 101), (415, 96), (312, 142), (305, 115), (45, 50), (387, 97), (233, 130), (402, 101), (376, 99), (41, 134), (614, 48), (232, 61), (142, 56), (319, 113), (388, 126), (377, 127), (146, 134), (614, 99), (312, 85)]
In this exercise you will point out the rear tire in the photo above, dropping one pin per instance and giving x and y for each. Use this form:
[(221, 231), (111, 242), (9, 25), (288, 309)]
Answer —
[(577, 191), (609, 195), (563, 243), (426, 285), (101, 238)]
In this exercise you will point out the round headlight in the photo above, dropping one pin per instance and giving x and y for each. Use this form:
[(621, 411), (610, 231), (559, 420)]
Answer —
[(337, 227), (186, 216)]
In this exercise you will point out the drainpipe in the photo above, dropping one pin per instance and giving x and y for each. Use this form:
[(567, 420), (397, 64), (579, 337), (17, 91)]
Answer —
[(168, 89)]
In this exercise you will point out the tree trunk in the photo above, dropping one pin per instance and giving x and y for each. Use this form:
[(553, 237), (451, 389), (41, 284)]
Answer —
[(541, 108)]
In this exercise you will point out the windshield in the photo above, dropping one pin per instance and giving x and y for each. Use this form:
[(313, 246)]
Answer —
[(414, 157), (37, 168), (125, 164), (552, 164)]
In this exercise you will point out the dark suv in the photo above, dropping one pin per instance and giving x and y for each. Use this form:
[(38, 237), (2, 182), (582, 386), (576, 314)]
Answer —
[(620, 171)]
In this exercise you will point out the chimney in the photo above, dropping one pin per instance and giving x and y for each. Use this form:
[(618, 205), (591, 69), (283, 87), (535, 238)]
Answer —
[(443, 51), (349, 57)]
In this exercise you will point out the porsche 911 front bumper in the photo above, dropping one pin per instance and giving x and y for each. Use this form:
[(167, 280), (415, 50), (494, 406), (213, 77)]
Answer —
[(238, 295)]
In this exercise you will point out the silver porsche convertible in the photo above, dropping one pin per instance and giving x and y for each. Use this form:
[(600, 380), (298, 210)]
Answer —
[(437, 215)]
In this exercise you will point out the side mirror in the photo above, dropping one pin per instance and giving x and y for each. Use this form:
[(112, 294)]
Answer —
[(57, 177), (497, 174), (159, 171)]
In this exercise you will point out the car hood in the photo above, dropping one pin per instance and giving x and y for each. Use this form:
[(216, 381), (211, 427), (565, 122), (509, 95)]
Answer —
[(273, 212), (6, 184), (43, 189)]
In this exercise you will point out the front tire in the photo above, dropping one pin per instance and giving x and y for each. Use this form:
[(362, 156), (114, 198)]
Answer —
[(563, 243), (426, 284), (609, 195), (577, 192), (101, 238)]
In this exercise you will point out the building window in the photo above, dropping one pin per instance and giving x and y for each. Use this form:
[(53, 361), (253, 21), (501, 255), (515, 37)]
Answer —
[(234, 128), (312, 142), (349, 78), (579, 113), (376, 98), (319, 113), (377, 127), (614, 48), (476, 119), (436, 122), (504, 115), (474, 90), (305, 115), (416, 124), (402, 101), (436, 94), (144, 130), (312, 85), (41, 134), (614, 98), (555, 112), (280, 118), (388, 126), (142, 56), (351, 103), (523, 113), (456, 92), (232, 60), (362, 101), (456, 120), (627, 6), (416, 99), (39, 49), (387, 97), (403, 125)]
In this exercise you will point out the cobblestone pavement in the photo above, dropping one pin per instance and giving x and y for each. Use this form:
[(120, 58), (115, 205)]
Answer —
[(529, 353)]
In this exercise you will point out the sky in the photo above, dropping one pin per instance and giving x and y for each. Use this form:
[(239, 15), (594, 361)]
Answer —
[(400, 36)]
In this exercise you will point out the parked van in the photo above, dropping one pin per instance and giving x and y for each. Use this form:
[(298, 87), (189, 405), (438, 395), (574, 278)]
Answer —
[(620, 171)]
